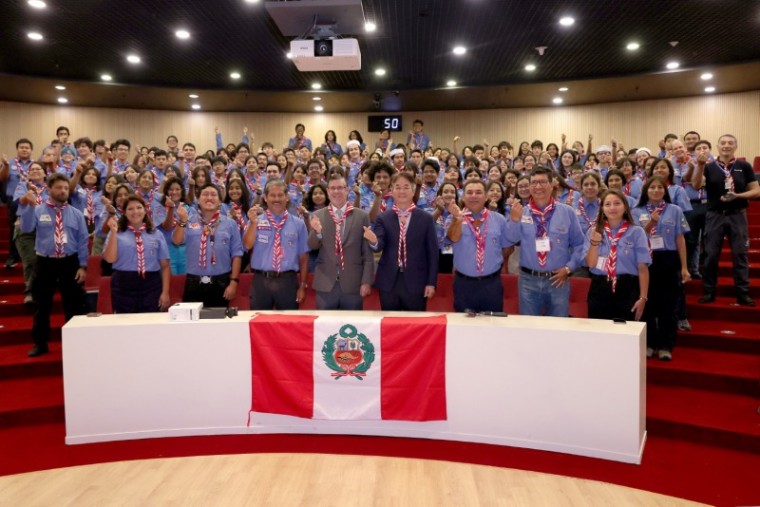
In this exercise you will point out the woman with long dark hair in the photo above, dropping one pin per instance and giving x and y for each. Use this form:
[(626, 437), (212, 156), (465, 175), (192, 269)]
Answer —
[(617, 252), (140, 259)]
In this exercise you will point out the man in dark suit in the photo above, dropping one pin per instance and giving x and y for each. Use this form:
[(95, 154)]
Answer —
[(408, 268), (345, 265)]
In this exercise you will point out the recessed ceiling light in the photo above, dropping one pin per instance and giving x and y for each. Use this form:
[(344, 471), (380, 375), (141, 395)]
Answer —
[(633, 46), (235, 75), (252, 1), (193, 96), (706, 76), (317, 98), (34, 35), (319, 109), (672, 65), (451, 82), (289, 55), (460, 50), (530, 67), (567, 21), (316, 86), (564, 89), (63, 100), (182, 34), (134, 59), (196, 106), (380, 72), (710, 89), (369, 26), (37, 4), (557, 100), (60, 87), (106, 77)]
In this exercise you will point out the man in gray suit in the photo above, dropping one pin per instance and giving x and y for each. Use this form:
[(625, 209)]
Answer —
[(345, 265)]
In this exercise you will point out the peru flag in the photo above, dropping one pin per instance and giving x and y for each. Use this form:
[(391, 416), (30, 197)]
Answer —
[(349, 367)]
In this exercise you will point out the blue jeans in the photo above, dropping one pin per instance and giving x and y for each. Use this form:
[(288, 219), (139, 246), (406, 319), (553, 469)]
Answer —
[(537, 294)]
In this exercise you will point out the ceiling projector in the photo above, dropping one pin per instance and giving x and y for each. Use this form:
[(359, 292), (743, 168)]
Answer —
[(313, 55)]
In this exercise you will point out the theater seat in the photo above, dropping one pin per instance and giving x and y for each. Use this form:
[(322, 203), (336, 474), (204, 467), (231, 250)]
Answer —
[(578, 306), (443, 301), (104, 295), (242, 300), (92, 280), (511, 294), (176, 288), (756, 164)]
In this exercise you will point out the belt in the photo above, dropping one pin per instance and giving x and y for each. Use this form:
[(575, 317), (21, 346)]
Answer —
[(53, 256), (619, 277), (484, 277), (542, 274), (206, 279), (698, 201), (274, 274)]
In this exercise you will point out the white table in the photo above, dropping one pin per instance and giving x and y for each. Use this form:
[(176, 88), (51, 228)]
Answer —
[(576, 386)]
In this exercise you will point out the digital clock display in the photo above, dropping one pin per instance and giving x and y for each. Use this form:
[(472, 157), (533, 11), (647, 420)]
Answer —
[(378, 123)]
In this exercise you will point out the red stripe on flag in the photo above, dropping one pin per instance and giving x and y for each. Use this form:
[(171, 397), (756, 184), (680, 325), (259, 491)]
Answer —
[(413, 368), (282, 364)]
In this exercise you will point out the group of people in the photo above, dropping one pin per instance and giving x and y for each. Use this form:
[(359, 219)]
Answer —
[(392, 218)]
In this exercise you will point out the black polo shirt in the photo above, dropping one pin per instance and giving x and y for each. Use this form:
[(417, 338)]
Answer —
[(715, 185)]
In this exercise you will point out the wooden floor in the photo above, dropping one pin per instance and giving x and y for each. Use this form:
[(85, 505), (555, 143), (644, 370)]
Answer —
[(310, 480)]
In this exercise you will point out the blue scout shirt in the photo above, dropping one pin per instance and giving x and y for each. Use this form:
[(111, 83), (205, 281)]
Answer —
[(154, 245), (226, 245), (465, 250), (565, 238), (41, 218), (633, 249), (293, 237), (671, 224)]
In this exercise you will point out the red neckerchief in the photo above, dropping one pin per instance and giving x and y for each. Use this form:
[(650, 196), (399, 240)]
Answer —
[(480, 232), (612, 256)]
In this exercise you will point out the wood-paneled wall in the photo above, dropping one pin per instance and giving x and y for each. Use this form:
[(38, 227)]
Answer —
[(637, 124)]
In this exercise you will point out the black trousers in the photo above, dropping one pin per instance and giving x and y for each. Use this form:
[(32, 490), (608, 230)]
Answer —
[(660, 312), (483, 294), (12, 215), (399, 298), (734, 226), (605, 304), (130, 293), (696, 219), (210, 294), (445, 263), (274, 293), (52, 274)]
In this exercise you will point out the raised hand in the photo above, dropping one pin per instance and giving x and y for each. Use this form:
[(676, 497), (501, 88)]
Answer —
[(456, 213), (316, 225), (377, 190), (516, 211), (369, 235), (254, 212), (596, 236), (113, 224), (182, 213)]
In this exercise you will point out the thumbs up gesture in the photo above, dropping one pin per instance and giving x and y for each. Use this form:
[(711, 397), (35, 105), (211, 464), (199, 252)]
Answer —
[(369, 235)]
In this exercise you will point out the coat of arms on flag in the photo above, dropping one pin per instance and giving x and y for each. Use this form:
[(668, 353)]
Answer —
[(349, 367)]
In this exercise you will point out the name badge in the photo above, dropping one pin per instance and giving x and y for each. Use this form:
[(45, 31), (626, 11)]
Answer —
[(543, 245), (727, 184), (194, 226), (447, 250), (262, 238), (526, 219), (578, 212), (601, 263), (644, 218), (45, 218), (657, 242)]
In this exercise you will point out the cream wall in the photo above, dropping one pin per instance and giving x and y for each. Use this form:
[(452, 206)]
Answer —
[(639, 123)]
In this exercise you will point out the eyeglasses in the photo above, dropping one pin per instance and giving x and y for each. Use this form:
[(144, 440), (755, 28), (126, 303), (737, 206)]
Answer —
[(540, 183), (336, 189)]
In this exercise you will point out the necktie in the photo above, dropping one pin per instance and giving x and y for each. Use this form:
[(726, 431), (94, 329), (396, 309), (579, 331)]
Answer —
[(208, 230), (339, 218), (59, 235), (612, 256), (140, 246), (479, 229), (277, 251), (403, 224), (542, 218)]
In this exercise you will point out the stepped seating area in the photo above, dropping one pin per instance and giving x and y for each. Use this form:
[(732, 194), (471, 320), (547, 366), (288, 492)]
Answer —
[(707, 397)]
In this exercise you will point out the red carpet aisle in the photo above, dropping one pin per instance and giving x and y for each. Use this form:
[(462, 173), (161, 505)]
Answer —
[(704, 428)]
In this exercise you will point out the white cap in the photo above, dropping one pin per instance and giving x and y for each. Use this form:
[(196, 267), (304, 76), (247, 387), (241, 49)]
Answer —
[(353, 142), (645, 150), (397, 151), (603, 147)]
